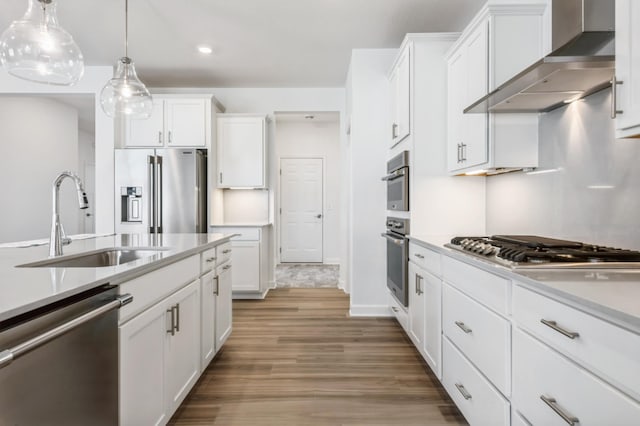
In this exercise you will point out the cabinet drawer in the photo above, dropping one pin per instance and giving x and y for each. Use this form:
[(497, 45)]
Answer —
[(480, 402), (427, 259), (489, 289), (244, 234), (156, 285), (401, 314), (483, 336), (208, 260), (223, 253), (539, 372), (607, 350)]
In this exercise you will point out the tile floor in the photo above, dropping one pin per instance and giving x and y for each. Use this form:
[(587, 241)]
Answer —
[(306, 275)]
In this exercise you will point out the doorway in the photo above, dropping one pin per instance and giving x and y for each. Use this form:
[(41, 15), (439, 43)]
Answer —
[(301, 210)]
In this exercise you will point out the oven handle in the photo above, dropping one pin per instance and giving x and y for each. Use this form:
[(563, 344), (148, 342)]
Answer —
[(9, 355), (397, 174), (396, 241)]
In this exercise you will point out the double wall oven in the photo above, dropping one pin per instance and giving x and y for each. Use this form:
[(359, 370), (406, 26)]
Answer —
[(398, 258)]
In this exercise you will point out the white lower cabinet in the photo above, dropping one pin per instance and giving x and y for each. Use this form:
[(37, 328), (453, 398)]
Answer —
[(246, 253), (549, 389), (224, 313), (416, 305), (479, 402), (208, 284), (160, 358)]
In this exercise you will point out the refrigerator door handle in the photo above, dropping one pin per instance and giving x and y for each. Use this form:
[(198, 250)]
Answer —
[(159, 187), (152, 208)]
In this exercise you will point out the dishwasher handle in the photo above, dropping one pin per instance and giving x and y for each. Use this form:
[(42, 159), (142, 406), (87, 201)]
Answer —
[(8, 355)]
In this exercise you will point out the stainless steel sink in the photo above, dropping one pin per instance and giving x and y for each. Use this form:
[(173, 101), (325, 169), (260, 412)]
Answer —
[(96, 259)]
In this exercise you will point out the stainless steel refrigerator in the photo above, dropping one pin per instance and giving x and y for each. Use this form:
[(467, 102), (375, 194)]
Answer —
[(161, 190)]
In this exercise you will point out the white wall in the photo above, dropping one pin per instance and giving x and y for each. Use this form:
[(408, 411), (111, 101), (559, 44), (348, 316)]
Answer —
[(38, 140), (368, 153), (317, 139), (244, 206), (91, 83), (593, 195)]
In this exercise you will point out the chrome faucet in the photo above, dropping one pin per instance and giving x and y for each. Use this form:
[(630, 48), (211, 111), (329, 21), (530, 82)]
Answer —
[(58, 236)]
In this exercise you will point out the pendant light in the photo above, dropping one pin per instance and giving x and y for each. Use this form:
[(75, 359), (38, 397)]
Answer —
[(125, 94), (36, 48)]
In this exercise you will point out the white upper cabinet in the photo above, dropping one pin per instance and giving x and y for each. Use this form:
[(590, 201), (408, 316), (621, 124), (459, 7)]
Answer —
[(400, 87), (627, 93), (241, 151), (175, 121), (502, 40)]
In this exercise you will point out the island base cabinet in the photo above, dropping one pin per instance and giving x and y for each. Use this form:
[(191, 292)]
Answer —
[(208, 286), (224, 311), (548, 389), (477, 399), (159, 358)]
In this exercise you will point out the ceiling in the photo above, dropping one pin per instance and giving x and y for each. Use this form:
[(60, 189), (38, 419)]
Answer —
[(256, 43)]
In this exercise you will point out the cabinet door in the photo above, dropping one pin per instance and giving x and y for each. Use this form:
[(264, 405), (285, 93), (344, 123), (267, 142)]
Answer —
[(142, 372), (456, 94), (416, 305), (241, 151), (628, 66), (431, 288), (403, 95), (186, 122), (246, 258), (208, 288), (475, 149), (149, 132), (393, 105), (183, 346), (223, 305)]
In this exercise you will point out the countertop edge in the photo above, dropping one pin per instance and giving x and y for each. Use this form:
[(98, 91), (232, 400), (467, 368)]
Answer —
[(614, 316), (116, 279)]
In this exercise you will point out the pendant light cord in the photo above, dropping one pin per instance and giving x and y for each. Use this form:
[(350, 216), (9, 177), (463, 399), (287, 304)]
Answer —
[(126, 28)]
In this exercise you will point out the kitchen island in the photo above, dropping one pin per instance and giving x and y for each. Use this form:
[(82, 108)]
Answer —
[(175, 317)]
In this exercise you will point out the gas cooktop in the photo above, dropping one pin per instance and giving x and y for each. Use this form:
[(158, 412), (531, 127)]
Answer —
[(530, 251)]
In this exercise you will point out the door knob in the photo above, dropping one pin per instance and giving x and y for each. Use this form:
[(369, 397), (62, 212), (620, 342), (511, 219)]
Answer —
[(319, 216)]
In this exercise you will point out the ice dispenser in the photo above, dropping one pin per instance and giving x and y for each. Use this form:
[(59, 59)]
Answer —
[(131, 203)]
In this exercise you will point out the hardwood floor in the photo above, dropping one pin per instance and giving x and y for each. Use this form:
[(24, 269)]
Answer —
[(296, 358)]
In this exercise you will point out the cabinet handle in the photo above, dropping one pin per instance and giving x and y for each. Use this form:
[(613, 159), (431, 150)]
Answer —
[(552, 403), (394, 133), (220, 178), (170, 137), (419, 279), (394, 309), (177, 317), (160, 138), (211, 259), (217, 290), (463, 327), (226, 267), (614, 97), (554, 325), (459, 156), (419, 256), (466, 395), (464, 152), (171, 329), (227, 251)]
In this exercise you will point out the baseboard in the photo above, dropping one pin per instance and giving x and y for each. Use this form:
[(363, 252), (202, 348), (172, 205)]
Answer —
[(370, 311), (342, 285), (272, 284), (250, 296)]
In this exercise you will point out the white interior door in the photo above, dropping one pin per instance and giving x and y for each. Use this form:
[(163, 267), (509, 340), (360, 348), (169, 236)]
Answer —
[(301, 210)]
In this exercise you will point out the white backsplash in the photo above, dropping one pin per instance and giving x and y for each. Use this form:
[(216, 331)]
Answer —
[(246, 206), (592, 193)]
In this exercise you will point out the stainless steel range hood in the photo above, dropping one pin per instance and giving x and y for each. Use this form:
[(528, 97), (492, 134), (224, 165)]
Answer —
[(581, 63)]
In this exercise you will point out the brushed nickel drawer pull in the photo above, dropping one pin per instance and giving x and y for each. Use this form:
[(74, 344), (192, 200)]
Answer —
[(419, 256), (553, 404), (466, 395), (211, 259), (226, 267), (554, 325), (463, 327), (227, 251)]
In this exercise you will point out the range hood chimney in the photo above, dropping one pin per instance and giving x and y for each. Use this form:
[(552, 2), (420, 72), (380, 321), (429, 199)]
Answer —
[(581, 63)]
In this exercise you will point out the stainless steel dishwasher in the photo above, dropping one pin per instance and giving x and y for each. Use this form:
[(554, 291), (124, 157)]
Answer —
[(59, 364)]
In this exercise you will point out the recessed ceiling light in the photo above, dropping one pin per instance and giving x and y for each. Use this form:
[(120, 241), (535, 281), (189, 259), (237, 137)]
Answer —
[(205, 50)]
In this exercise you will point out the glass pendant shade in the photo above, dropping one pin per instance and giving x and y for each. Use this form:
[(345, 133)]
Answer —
[(36, 48), (125, 94)]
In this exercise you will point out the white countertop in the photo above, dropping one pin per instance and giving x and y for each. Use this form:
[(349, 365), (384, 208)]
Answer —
[(612, 294), (25, 289), (242, 225)]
